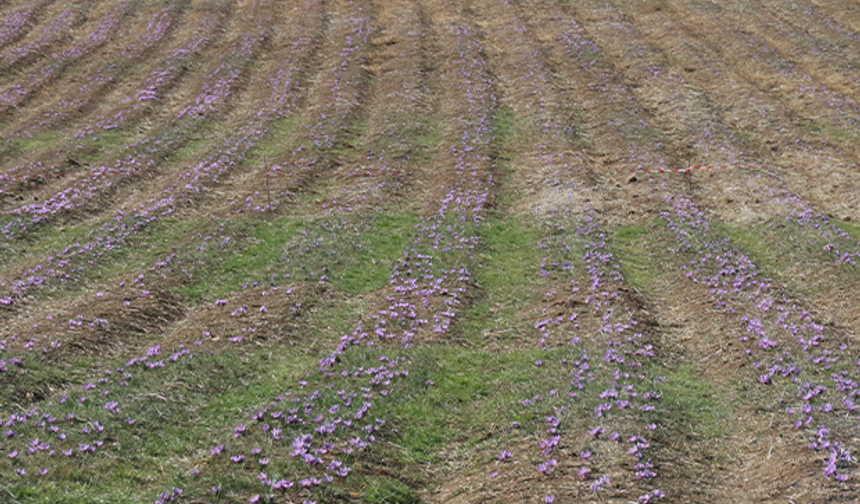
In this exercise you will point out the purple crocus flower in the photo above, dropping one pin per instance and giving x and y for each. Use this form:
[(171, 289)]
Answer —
[(282, 484)]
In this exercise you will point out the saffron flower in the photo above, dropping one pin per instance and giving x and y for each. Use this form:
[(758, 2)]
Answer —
[(282, 484)]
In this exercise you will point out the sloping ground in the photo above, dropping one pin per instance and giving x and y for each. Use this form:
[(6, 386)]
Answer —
[(420, 251)]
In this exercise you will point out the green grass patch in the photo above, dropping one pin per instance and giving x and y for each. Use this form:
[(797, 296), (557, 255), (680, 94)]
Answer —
[(43, 239), (426, 136), (746, 135), (179, 409), (176, 143), (190, 150), (34, 380), (422, 137), (755, 241), (245, 250), (693, 406), (507, 273), (852, 228), (831, 129), (357, 128), (139, 250), (106, 141), (334, 318), (506, 131), (792, 255), (634, 248), (462, 395), (347, 145), (504, 123), (43, 141), (183, 408), (255, 378), (279, 136), (355, 256), (369, 267), (385, 490)]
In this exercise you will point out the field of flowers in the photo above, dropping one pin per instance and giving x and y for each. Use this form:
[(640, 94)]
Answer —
[(404, 251)]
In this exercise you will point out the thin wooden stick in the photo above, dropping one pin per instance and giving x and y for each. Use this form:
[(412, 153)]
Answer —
[(268, 191)]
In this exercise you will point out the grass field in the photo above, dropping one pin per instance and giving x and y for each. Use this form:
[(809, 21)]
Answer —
[(402, 252)]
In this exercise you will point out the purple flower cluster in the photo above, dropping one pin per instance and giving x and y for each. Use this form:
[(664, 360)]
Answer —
[(12, 27), (837, 108), (783, 339), (631, 390), (158, 80), (196, 179), (339, 102), (147, 153), (71, 436), (97, 80), (644, 148), (836, 240), (56, 29), (141, 155), (423, 302), (100, 34)]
